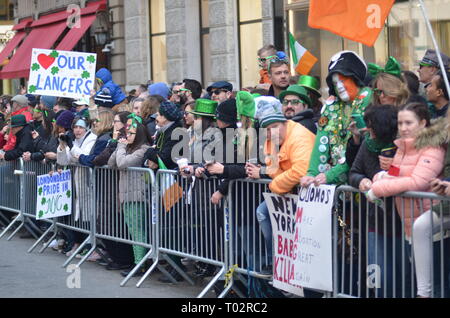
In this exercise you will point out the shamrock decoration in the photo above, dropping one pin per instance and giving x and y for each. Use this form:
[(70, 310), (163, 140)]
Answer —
[(54, 54), (91, 59), (35, 67), (85, 74), (44, 200), (68, 194), (66, 207), (41, 214), (55, 70), (32, 89), (40, 190)]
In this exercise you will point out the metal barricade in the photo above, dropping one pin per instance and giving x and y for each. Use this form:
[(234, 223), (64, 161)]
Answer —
[(11, 194), (124, 205), (374, 245), (191, 227)]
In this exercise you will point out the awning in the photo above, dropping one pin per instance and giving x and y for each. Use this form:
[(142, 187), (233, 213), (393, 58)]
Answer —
[(75, 34), (12, 44), (42, 38), (23, 24)]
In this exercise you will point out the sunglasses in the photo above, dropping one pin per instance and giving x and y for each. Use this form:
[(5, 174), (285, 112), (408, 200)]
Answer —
[(378, 92), (293, 102), (218, 91), (183, 90)]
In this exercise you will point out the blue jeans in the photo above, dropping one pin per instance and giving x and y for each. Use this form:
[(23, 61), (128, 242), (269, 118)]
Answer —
[(263, 216)]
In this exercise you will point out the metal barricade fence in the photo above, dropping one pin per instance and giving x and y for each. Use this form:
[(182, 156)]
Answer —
[(189, 225), (11, 194), (375, 243), (124, 211)]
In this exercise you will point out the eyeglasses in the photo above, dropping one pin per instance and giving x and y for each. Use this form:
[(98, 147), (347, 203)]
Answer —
[(218, 91), (293, 102), (131, 133), (378, 92), (184, 90)]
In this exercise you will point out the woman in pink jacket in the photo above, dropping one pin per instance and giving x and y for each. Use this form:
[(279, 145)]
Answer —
[(419, 160)]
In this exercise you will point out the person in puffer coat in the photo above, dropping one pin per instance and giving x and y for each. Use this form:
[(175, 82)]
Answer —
[(109, 88), (419, 160)]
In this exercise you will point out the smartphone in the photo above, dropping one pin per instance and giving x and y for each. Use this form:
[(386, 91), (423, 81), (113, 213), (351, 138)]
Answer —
[(359, 120), (388, 152)]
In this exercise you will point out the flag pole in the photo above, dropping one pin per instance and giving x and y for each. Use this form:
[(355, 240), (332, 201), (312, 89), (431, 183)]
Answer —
[(436, 46)]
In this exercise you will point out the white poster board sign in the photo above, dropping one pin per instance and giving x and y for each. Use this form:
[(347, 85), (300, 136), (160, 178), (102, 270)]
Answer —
[(62, 73), (54, 195), (282, 216), (313, 239)]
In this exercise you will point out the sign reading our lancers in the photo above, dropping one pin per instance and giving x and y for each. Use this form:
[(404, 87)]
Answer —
[(54, 195), (62, 73)]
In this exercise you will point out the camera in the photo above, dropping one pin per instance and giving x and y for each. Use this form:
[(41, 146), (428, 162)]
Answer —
[(64, 138)]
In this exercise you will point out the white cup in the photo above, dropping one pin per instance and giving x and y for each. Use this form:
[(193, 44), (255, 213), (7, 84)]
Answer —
[(182, 163)]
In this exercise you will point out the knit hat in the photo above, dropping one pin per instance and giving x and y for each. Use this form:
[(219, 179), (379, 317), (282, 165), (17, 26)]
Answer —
[(104, 99), (349, 64), (21, 100), (81, 123), (310, 83), (268, 111), (65, 120), (170, 111), (297, 91), (205, 107), (220, 85), (18, 121), (48, 101), (160, 89), (227, 111)]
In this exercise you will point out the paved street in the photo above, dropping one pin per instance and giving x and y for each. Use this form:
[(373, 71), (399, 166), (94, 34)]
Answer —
[(41, 275)]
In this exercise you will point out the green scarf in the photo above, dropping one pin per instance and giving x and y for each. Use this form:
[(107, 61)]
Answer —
[(376, 146)]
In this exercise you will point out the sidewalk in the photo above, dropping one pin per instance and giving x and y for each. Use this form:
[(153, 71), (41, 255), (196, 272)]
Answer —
[(35, 275)]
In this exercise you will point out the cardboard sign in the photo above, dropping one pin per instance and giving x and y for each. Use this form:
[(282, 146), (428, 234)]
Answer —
[(313, 239), (282, 211), (54, 195), (62, 73)]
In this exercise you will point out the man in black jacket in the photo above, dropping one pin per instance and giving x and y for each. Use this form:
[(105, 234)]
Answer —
[(24, 141), (297, 107)]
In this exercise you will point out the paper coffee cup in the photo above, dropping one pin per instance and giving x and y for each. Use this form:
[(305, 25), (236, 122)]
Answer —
[(183, 163)]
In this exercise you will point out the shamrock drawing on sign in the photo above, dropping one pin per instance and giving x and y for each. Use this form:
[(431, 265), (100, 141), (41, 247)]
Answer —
[(32, 89), (41, 214), (85, 74), (44, 200), (55, 70), (91, 59), (66, 207), (68, 194), (40, 190), (35, 67)]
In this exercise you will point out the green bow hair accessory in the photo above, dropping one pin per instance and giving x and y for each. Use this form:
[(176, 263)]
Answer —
[(392, 67), (135, 118)]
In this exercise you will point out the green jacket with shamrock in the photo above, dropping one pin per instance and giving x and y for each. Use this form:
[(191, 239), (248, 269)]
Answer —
[(328, 155)]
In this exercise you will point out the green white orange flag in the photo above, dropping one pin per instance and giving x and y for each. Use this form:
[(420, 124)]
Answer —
[(357, 20), (303, 59)]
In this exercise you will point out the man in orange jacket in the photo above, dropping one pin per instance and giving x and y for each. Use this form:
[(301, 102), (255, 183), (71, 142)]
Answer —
[(288, 150)]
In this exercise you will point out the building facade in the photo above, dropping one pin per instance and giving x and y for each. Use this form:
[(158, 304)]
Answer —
[(212, 40)]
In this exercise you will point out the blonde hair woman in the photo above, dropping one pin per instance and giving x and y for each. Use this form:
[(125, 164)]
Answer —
[(389, 86)]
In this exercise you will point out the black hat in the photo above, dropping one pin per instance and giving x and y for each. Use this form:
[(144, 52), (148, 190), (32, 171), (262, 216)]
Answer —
[(349, 64), (18, 121), (170, 111), (227, 111), (220, 85)]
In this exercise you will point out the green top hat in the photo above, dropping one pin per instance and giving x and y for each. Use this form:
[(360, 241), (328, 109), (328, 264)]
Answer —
[(245, 103), (310, 82), (298, 91), (18, 121), (205, 107)]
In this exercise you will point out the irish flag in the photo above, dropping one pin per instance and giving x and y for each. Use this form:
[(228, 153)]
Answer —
[(303, 59)]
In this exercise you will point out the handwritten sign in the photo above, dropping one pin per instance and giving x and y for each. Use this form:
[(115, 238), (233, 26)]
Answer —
[(54, 195), (62, 73), (282, 211), (312, 239)]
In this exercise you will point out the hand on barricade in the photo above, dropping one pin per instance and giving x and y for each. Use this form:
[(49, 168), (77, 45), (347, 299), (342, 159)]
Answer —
[(189, 169), (216, 198), (385, 162), (152, 165), (306, 181), (253, 171), (365, 185), (51, 172), (26, 156), (50, 156), (199, 172), (439, 187), (216, 168)]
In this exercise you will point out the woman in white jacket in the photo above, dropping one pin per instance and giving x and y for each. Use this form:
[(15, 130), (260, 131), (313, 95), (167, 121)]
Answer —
[(68, 153)]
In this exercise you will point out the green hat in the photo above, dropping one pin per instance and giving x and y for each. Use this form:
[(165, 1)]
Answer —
[(18, 121), (245, 103), (205, 107), (298, 91), (310, 82)]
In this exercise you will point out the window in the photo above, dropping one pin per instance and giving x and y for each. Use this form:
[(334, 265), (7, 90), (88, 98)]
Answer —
[(251, 40), (204, 33), (6, 12), (158, 40)]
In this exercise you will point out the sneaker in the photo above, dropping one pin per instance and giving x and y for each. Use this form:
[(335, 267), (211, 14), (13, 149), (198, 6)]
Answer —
[(53, 245), (82, 254), (73, 250), (94, 257)]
